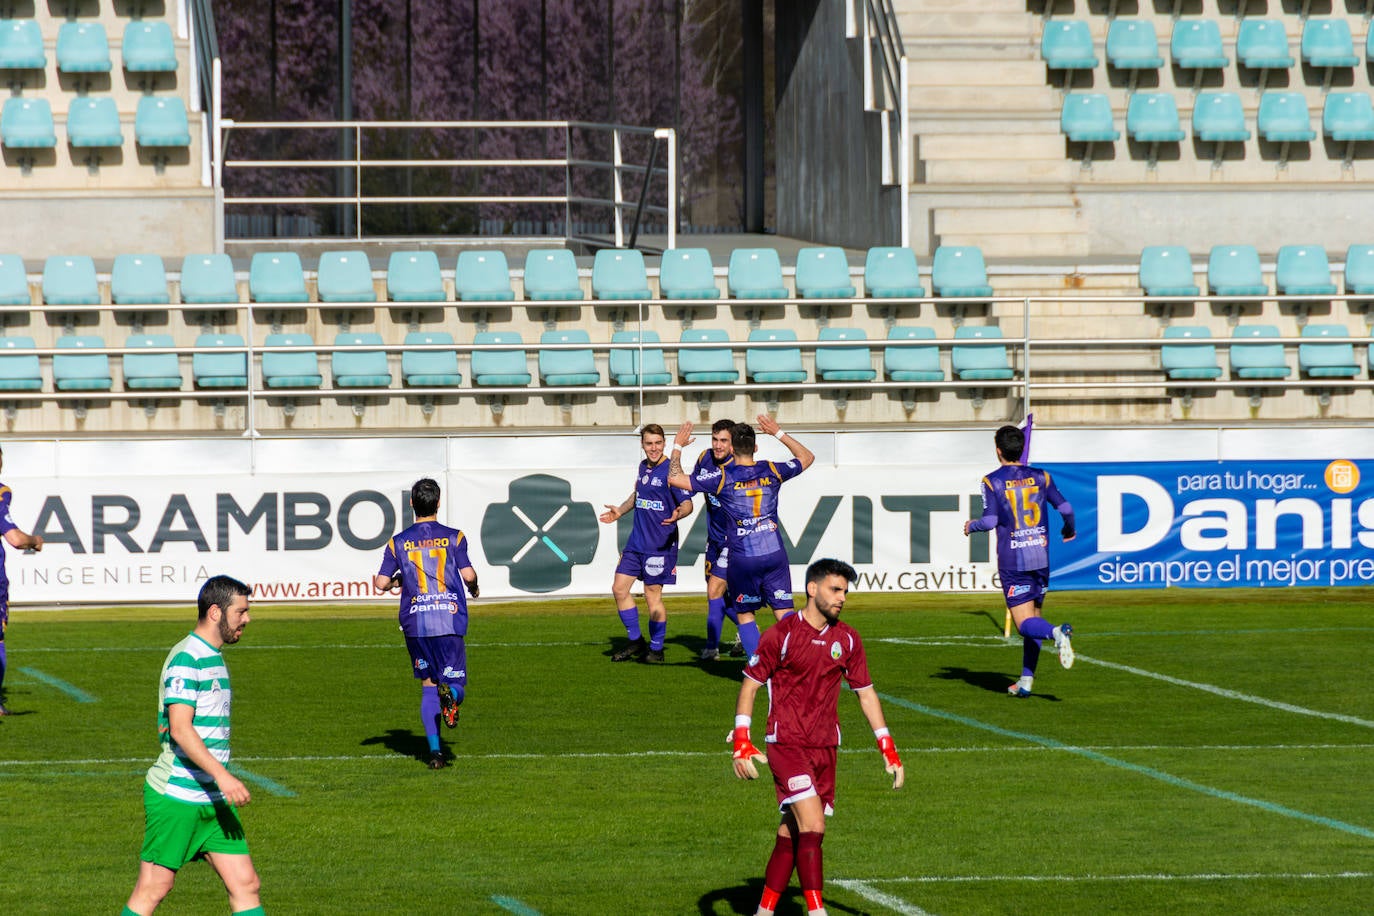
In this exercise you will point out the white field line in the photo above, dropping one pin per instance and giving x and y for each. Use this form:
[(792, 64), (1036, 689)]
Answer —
[(865, 890), (1033, 879)]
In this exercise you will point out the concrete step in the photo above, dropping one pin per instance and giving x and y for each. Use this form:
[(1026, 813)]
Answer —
[(990, 146), (1018, 245), (1012, 219), (954, 123), (1001, 171), (926, 7), (965, 24), (975, 72), (991, 100)]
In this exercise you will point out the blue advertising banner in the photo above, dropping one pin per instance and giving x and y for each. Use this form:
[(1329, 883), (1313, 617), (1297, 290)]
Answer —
[(1216, 524)]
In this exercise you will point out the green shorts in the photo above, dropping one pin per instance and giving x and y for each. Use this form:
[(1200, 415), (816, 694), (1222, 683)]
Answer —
[(176, 832)]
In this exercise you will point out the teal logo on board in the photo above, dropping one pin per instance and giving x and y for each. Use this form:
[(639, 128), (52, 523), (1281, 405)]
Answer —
[(540, 533)]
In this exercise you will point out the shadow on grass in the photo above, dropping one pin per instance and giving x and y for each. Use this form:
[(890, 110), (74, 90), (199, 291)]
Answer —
[(405, 742), (687, 654), (997, 622), (743, 900), (994, 681)]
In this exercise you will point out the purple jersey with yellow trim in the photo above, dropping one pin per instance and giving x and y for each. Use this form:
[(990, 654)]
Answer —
[(6, 524), (655, 502), (705, 470), (749, 495), (1014, 499), (430, 558)]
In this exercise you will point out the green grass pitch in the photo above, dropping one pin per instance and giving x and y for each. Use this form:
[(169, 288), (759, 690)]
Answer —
[(1210, 752)]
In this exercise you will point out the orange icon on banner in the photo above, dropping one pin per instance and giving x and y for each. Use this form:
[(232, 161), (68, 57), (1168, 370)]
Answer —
[(1342, 476)]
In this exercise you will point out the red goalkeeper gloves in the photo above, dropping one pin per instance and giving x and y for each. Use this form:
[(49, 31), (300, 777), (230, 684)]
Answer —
[(745, 754), (891, 760)]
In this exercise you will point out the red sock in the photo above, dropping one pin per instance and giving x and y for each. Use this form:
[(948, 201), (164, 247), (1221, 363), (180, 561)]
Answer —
[(810, 872), (778, 872)]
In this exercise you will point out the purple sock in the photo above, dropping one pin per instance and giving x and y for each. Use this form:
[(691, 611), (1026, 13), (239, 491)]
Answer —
[(715, 620), (630, 617), (749, 637), (658, 630), (1036, 628), (1030, 656), (429, 714), (2, 663)]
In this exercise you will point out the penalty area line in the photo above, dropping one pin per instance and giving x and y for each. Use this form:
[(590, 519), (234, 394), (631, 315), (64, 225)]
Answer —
[(76, 693), (511, 905), (1157, 876), (865, 890)]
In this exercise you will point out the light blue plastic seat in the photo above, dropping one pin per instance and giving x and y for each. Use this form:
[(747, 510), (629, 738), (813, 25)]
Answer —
[(1195, 44), (504, 367), (1219, 117), (414, 276), (151, 370), (430, 368), (483, 276), (1262, 44), (1067, 44), (161, 121), (988, 363), (706, 365), (211, 367), (823, 273), (687, 273), (83, 372), (1167, 270), (21, 45), (1327, 360), (70, 280), (958, 271), (359, 368), (26, 123), (551, 274), (1327, 43), (1259, 360), (94, 122), (1359, 270), (82, 47), (1086, 117), (1302, 270), (643, 366), (912, 363), (1234, 270), (296, 369), (1188, 362), (277, 276), (773, 365), (1283, 117), (1348, 117), (1133, 45), (14, 281), (618, 273), (567, 367), (208, 279), (1152, 117), (19, 371), (138, 279), (756, 273), (848, 362), (147, 47), (892, 273), (345, 276)]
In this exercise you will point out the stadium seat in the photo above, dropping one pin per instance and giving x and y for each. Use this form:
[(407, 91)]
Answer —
[(567, 367), (151, 370), (1086, 117), (70, 280), (138, 279), (823, 273), (1348, 117), (1283, 118), (147, 47), (84, 372), (706, 365), (160, 121), (277, 276), (345, 276), (687, 273), (755, 273), (912, 363), (1302, 270), (504, 367), (778, 365), (207, 279), (1167, 270), (1195, 44), (844, 363), (1067, 44), (1359, 270), (641, 366), (430, 368), (892, 273), (1262, 44), (26, 123), (211, 369), (414, 276), (1259, 360), (483, 276), (19, 371), (21, 45), (619, 274), (1133, 45), (985, 363), (359, 368), (1326, 44), (1182, 362), (551, 274), (298, 369), (1234, 270), (1327, 360), (958, 271), (82, 47), (93, 122), (14, 281), (1152, 117), (1219, 118)]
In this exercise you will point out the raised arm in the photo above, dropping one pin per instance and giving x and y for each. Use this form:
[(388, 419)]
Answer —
[(770, 427), (677, 477)]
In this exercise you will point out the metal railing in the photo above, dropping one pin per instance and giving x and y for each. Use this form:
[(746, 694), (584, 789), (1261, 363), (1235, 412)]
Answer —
[(874, 22)]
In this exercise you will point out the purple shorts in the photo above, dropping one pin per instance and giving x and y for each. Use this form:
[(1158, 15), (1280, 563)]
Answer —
[(649, 568), (717, 559), (756, 581), (439, 658), (1020, 586)]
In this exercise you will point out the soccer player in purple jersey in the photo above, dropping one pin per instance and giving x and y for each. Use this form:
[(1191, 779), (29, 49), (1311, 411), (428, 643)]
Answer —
[(19, 540), (426, 562), (1014, 499), (707, 468), (759, 572), (802, 661), (650, 555)]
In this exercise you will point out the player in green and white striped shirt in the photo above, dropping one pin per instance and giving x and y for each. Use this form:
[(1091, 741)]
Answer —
[(190, 798)]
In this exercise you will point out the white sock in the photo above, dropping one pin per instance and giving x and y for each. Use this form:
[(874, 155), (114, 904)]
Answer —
[(1025, 683)]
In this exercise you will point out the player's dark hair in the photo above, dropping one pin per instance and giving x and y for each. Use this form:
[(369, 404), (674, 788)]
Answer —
[(651, 429), (824, 568), (219, 590), (722, 425), (742, 437), (1011, 442), (424, 497)]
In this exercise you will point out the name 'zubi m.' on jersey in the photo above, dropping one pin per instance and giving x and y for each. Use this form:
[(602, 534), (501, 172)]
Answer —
[(749, 494), (430, 558), (1014, 498), (193, 674)]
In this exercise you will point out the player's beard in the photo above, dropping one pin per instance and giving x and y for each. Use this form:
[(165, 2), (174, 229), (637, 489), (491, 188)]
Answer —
[(831, 612), (229, 636)]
